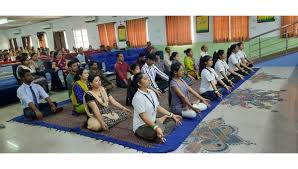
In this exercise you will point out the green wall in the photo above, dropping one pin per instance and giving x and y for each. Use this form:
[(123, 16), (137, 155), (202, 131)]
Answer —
[(268, 46)]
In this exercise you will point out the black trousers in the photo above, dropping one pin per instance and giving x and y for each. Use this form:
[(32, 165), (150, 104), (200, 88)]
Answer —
[(211, 95), (56, 82), (162, 85), (120, 83), (233, 78), (44, 108), (147, 133)]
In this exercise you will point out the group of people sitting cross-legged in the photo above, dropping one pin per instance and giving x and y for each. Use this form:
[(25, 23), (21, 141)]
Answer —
[(151, 77)]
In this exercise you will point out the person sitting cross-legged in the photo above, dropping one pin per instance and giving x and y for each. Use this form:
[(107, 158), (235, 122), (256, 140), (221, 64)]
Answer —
[(94, 70), (97, 103), (121, 68), (146, 125), (31, 94), (151, 70)]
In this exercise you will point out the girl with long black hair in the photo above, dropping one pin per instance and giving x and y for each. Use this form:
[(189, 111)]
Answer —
[(243, 56), (227, 75), (146, 106), (235, 62), (174, 58), (209, 78), (179, 100)]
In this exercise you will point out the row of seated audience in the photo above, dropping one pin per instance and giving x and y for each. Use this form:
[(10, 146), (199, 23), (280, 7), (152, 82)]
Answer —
[(89, 96)]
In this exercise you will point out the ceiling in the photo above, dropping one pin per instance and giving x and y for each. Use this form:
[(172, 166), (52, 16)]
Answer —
[(18, 21)]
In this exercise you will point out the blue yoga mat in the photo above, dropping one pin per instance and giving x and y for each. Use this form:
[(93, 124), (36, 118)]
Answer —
[(290, 60), (174, 140)]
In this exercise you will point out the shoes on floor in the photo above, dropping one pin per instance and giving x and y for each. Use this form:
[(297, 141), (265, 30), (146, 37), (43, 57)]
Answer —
[(2, 126)]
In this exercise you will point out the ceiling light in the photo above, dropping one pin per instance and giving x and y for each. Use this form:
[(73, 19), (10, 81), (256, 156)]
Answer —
[(3, 21)]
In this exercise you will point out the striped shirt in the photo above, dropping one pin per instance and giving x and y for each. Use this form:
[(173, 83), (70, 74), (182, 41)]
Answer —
[(151, 71)]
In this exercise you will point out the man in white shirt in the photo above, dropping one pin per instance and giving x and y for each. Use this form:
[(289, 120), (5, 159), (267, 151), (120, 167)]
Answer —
[(31, 94), (151, 70), (81, 56), (204, 50), (167, 56)]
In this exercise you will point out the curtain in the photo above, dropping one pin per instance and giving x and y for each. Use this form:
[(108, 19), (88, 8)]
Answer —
[(15, 43), (41, 40), (59, 40), (107, 34), (103, 38), (292, 30), (24, 42), (220, 28), (111, 33), (28, 42), (239, 28), (178, 29), (137, 32), (11, 44)]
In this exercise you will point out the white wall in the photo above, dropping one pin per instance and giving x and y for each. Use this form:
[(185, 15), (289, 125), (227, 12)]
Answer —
[(4, 44), (203, 37), (259, 28), (156, 30)]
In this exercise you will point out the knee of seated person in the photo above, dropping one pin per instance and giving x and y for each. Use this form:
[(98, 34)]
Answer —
[(93, 124), (29, 114), (151, 135), (202, 106), (189, 114)]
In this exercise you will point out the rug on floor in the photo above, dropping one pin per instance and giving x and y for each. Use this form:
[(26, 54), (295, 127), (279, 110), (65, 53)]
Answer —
[(122, 133)]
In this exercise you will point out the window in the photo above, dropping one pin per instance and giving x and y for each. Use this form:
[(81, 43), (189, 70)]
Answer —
[(178, 30), (11, 45), (81, 38), (107, 34), (27, 42), (290, 30), (137, 32), (42, 39), (230, 28)]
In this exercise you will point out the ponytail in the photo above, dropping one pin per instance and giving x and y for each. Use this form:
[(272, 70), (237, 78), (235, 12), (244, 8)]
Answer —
[(203, 61), (173, 55), (134, 86), (230, 50), (174, 68), (215, 58), (187, 51), (217, 55)]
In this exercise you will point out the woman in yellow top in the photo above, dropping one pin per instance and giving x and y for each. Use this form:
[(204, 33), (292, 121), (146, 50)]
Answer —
[(79, 88), (189, 63)]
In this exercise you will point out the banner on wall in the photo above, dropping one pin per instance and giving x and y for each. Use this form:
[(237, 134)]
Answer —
[(261, 19), (202, 24), (121, 33)]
